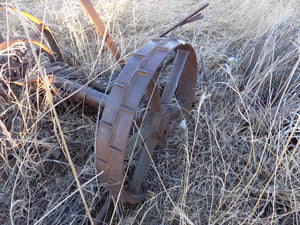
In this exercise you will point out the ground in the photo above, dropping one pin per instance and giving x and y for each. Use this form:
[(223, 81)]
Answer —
[(236, 161)]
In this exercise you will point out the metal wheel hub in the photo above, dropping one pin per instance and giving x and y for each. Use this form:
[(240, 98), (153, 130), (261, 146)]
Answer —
[(166, 125)]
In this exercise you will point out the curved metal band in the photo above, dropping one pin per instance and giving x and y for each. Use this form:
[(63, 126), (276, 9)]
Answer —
[(10, 42), (122, 105), (48, 33)]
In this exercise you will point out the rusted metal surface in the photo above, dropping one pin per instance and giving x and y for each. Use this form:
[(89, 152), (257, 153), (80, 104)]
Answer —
[(104, 216), (72, 90), (43, 29), (43, 48), (103, 31), (196, 15), (164, 113), (80, 93)]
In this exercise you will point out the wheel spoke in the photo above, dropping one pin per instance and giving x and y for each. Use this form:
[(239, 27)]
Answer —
[(170, 88), (142, 166), (180, 109), (154, 96), (137, 138), (163, 143), (1, 38)]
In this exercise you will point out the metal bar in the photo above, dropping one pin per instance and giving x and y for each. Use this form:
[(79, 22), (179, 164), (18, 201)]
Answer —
[(142, 165), (105, 213), (102, 29), (185, 20), (80, 92), (1, 38), (174, 77), (10, 42)]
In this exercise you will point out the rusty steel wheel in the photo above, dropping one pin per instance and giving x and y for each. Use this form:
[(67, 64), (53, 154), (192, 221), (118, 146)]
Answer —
[(141, 111)]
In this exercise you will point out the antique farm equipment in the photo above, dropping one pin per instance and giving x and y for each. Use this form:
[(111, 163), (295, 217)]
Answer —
[(146, 103)]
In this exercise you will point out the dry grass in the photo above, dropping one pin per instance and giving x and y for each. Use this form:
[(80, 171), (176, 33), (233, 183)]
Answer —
[(237, 162)]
